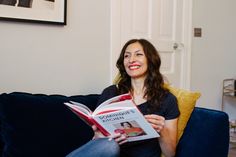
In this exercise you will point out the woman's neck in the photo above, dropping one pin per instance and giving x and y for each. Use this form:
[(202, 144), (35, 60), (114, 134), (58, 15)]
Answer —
[(138, 90)]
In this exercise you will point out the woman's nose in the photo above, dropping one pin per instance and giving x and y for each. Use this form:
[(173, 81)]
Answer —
[(132, 58)]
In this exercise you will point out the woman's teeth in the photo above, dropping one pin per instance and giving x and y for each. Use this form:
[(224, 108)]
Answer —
[(134, 67)]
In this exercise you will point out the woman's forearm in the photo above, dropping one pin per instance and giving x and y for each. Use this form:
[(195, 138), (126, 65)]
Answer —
[(168, 138), (167, 144)]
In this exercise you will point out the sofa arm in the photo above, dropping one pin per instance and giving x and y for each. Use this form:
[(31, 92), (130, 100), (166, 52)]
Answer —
[(206, 135)]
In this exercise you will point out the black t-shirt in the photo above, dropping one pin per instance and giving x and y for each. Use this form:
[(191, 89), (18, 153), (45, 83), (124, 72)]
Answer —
[(169, 110)]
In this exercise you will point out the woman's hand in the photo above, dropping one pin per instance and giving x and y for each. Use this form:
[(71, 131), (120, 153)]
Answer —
[(157, 122), (97, 133), (119, 138)]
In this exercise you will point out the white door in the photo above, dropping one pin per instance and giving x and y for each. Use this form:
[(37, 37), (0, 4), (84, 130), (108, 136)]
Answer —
[(166, 23)]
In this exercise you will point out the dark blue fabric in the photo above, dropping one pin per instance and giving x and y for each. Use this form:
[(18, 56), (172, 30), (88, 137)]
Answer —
[(206, 135), (37, 125)]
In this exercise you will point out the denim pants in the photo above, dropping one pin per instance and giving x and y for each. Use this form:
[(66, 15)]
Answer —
[(101, 147)]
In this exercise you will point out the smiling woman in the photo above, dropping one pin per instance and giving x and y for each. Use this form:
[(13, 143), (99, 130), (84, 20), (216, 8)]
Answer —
[(139, 67)]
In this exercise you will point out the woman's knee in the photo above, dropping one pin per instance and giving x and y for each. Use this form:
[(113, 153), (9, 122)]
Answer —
[(109, 146), (103, 147)]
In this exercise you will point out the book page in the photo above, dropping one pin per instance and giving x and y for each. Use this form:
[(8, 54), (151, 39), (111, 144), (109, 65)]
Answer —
[(118, 121), (82, 106), (79, 108), (114, 105), (118, 102), (113, 100)]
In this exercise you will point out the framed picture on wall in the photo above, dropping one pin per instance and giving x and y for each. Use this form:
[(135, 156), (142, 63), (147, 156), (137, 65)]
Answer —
[(37, 11)]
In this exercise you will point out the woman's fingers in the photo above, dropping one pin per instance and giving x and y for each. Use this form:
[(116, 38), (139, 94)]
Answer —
[(157, 122), (97, 133), (94, 128), (120, 138)]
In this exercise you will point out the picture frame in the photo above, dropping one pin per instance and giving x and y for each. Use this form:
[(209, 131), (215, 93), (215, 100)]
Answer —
[(35, 11)]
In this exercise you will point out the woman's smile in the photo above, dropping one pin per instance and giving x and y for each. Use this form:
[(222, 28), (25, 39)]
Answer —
[(134, 66)]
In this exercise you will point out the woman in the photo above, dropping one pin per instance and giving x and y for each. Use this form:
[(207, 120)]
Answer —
[(139, 66)]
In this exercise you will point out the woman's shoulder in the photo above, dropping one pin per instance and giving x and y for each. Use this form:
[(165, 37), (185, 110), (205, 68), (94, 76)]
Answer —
[(111, 88), (169, 96)]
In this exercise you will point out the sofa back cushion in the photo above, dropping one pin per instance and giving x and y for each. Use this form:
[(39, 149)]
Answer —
[(36, 125), (186, 103)]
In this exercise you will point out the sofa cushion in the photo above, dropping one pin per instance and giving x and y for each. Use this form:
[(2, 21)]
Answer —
[(186, 102), (36, 125)]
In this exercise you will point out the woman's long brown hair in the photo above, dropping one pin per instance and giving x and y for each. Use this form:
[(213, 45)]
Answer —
[(154, 82)]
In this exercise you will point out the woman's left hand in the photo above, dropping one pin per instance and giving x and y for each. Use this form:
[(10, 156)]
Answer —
[(157, 122), (120, 138)]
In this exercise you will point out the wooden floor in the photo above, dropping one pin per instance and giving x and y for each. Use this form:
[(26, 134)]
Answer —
[(232, 150)]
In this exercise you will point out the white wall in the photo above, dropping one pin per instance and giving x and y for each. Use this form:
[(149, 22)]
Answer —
[(73, 59), (213, 55)]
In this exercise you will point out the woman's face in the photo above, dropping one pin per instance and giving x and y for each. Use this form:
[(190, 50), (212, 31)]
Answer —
[(135, 61), (126, 125)]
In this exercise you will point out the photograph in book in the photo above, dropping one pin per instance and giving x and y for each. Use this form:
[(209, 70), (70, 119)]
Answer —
[(116, 115)]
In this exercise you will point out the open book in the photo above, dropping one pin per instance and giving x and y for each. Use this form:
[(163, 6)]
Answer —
[(116, 115)]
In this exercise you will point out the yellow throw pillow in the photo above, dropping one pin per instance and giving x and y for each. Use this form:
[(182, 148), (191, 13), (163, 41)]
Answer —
[(186, 102)]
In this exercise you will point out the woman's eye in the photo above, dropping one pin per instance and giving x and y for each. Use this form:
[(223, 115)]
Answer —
[(126, 56), (139, 54)]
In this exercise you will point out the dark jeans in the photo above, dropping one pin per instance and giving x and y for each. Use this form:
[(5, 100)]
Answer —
[(97, 148)]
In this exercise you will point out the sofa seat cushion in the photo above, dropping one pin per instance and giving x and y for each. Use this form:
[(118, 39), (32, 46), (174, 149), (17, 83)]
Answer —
[(37, 125)]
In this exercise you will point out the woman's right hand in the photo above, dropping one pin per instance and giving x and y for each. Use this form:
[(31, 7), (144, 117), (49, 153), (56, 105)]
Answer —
[(118, 137), (97, 133)]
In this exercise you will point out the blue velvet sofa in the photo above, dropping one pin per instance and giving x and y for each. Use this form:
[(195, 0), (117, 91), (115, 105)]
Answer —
[(39, 125)]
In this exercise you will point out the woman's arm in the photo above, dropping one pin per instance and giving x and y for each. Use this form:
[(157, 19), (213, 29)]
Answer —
[(168, 133), (168, 138)]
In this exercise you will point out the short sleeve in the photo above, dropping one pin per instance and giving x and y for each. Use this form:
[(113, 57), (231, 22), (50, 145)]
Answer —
[(170, 105)]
